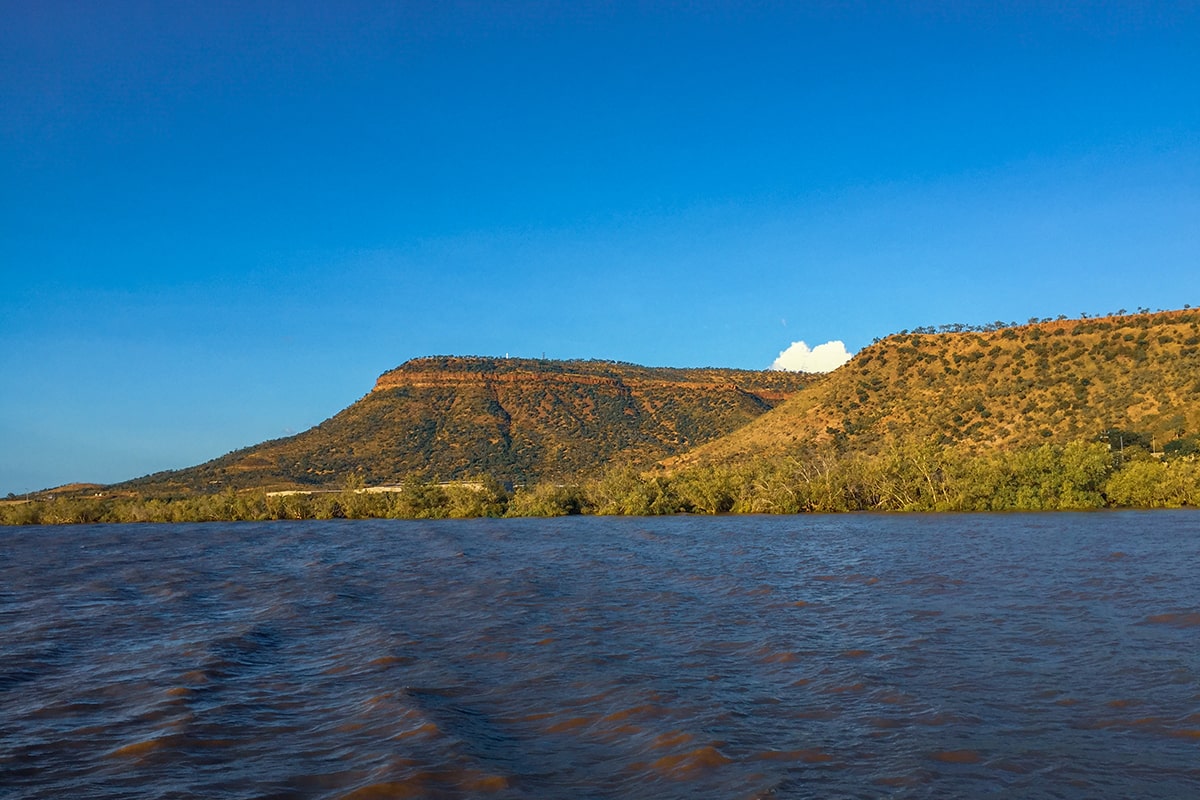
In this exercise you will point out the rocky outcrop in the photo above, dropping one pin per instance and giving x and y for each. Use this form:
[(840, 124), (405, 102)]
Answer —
[(519, 420)]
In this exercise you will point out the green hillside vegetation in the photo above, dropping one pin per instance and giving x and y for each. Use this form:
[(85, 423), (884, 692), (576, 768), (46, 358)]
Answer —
[(915, 476), (518, 420), (1136, 377)]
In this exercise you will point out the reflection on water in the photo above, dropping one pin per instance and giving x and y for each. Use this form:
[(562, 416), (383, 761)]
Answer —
[(849, 656)]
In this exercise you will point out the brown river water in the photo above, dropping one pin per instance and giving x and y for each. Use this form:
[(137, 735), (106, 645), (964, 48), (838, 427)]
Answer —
[(1019, 656)]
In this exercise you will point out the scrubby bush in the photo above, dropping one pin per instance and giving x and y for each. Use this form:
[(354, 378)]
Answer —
[(547, 500)]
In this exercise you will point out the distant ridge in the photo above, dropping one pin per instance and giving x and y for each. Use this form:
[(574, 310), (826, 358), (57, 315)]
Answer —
[(520, 420)]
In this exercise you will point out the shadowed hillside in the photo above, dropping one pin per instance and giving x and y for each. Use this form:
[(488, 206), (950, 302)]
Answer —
[(516, 419), (1018, 387)]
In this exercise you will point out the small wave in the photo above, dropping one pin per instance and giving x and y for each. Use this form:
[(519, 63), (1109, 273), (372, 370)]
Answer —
[(1181, 619), (686, 766), (957, 756)]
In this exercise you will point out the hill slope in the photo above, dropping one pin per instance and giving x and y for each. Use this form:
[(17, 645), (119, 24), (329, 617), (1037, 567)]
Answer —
[(516, 419), (1050, 382)]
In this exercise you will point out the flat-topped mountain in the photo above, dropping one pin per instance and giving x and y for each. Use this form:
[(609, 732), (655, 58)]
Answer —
[(1006, 389), (516, 419)]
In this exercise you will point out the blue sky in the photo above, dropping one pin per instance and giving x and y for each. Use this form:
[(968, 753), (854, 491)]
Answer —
[(220, 221)]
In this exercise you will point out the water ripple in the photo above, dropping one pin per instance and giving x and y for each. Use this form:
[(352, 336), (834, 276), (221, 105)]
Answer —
[(851, 656)]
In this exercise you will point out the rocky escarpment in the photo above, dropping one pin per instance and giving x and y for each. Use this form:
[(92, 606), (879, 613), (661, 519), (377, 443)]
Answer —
[(771, 386)]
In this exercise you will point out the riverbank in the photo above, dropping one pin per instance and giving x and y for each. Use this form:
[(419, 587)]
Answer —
[(920, 477)]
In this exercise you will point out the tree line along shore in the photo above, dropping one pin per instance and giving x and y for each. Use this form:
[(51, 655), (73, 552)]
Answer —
[(912, 476)]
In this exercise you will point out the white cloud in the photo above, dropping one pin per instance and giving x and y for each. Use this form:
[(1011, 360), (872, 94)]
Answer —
[(822, 358)]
